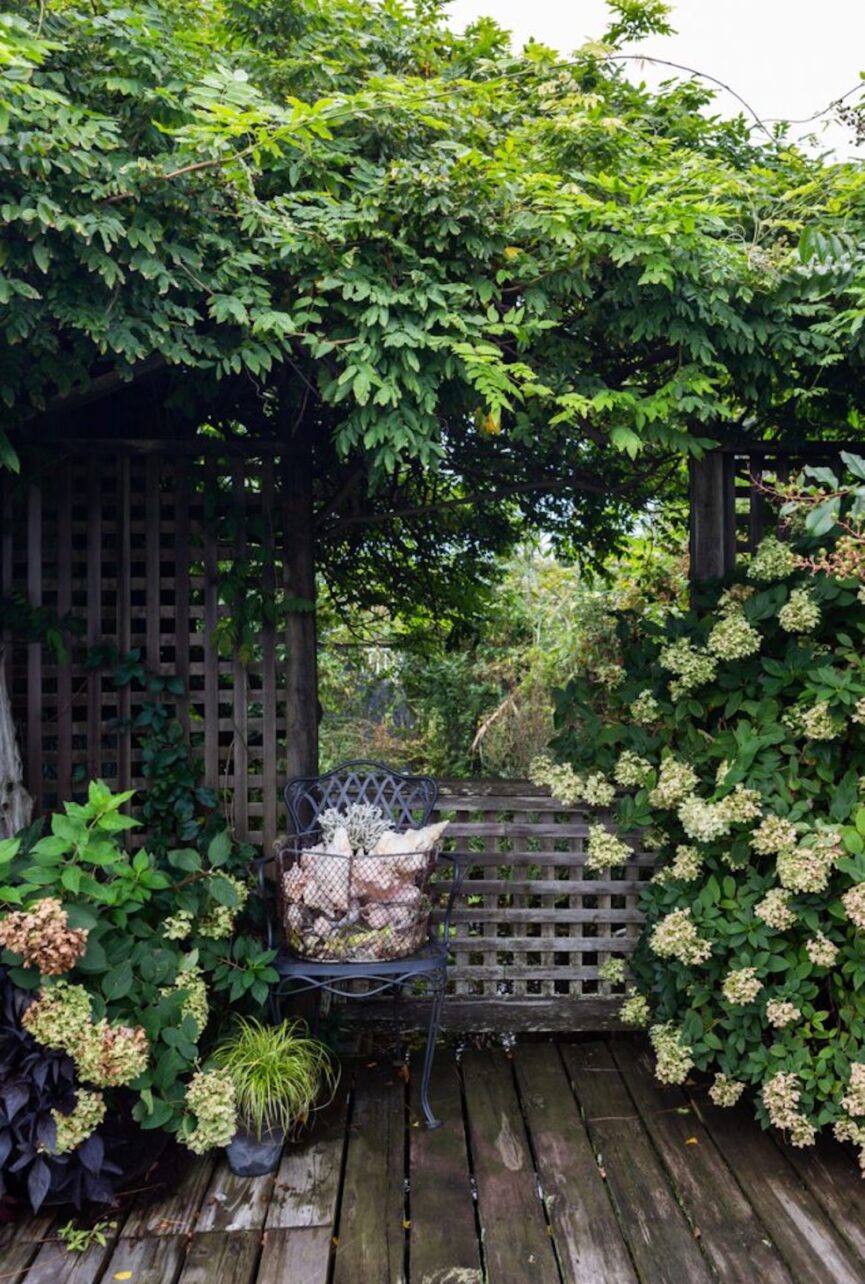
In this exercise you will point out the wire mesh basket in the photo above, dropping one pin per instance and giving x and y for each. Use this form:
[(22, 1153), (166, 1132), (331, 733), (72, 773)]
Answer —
[(350, 907)]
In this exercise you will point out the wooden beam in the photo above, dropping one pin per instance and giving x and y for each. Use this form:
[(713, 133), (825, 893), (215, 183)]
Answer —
[(298, 553), (712, 517)]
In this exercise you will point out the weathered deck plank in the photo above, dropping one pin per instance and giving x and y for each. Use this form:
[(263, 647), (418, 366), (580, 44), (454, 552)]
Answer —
[(307, 1182), (443, 1240), (829, 1172), (149, 1261), (662, 1243), (371, 1233), (517, 1244), (813, 1250), (177, 1212), (235, 1203), (588, 1239), (731, 1235), (217, 1257), (297, 1256)]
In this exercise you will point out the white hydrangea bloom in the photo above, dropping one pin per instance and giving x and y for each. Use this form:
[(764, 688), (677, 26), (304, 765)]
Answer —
[(800, 614), (733, 638), (772, 561), (676, 936)]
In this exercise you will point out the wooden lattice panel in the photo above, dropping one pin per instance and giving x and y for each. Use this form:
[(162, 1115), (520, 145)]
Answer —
[(531, 928), (127, 543)]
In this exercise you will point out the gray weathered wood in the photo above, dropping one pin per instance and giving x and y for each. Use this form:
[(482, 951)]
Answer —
[(733, 1238), (307, 1182), (660, 1239), (177, 1212), (299, 1256), (810, 1245), (832, 1175), (588, 1239), (517, 1244), (54, 1264), (235, 1203), (221, 1257), (589, 1013), (149, 1261), (371, 1233), (443, 1237)]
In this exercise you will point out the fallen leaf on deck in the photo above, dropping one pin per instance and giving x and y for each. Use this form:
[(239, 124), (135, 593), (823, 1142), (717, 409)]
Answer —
[(692, 1141)]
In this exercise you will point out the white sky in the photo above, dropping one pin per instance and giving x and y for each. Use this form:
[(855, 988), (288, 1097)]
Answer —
[(785, 57)]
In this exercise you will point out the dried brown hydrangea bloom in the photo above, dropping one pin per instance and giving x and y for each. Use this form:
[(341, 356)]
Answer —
[(43, 937)]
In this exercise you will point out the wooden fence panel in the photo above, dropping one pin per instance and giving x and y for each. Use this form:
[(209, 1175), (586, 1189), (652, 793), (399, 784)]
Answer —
[(134, 547), (531, 927)]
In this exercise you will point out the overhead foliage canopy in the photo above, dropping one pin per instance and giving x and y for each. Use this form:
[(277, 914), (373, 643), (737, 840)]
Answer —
[(472, 272)]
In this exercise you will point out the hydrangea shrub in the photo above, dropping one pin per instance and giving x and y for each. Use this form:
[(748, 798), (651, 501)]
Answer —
[(128, 959), (735, 743)]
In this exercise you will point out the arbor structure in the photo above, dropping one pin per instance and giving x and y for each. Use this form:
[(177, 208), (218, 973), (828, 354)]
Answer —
[(453, 289)]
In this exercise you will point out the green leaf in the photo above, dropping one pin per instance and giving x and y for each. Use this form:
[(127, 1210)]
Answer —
[(219, 848), (117, 981)]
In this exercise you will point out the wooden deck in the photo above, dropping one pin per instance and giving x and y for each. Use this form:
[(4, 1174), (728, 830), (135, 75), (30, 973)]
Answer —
[(563, 1162)]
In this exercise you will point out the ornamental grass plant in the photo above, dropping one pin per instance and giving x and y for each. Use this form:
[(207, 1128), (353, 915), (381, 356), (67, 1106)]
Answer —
[(735, 738), (278, 1072)]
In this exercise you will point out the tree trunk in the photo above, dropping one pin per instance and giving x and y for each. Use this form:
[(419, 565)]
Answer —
[(16, 805), (301, 665)]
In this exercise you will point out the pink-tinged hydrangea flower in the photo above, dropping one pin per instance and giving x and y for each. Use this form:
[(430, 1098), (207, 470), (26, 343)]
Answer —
[(781, 1095), (854, 1101), (854, 904), (821, 951), (773, 834), (780, 1013), (805, 869), (676, 937), (726, 1091), (774, 909), (740, 805)]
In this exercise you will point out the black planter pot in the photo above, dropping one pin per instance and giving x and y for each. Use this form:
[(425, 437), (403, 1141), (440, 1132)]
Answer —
[(251, 1156)]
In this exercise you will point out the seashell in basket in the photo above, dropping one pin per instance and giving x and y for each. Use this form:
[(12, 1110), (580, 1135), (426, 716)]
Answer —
[(328, 881), (411, 842), (399, 918), (293, 883), (374, 879), (293, 918)]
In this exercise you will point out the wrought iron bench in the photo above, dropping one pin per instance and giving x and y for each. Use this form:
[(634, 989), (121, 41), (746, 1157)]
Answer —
[(406, 802)]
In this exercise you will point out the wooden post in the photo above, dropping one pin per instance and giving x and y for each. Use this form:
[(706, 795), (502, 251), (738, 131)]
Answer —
[(712, 517), (301, 665)]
